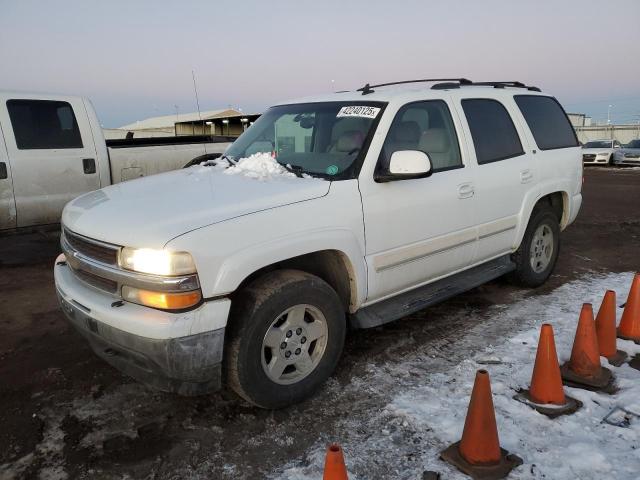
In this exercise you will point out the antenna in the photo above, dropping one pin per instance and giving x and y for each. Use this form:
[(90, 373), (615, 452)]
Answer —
[(195, 90)]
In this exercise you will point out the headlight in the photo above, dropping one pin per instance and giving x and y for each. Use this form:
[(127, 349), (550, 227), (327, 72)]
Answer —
[(156, 262), (603, 154)]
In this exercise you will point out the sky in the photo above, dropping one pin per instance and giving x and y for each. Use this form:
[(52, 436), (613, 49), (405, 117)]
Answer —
[(134, 59)]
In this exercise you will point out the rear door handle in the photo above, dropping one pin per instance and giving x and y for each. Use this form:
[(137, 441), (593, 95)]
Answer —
[(526, 176), (3, 171), (465, 190), (89, 165)]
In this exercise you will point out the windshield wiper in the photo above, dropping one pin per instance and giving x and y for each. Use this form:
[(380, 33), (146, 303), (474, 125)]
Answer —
[(228, 159), (296, 169)]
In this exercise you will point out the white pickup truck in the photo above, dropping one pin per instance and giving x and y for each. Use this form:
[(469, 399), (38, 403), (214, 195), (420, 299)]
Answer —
[(52, 150), (355, 208)]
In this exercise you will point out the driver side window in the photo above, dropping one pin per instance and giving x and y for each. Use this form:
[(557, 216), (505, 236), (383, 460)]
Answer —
[(425, 126)]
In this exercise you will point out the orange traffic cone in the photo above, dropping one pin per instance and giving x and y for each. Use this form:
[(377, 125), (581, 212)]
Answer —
[(546, 393), (606, 330), (629, 328), (583, 369), (478, 454), (334, 468)]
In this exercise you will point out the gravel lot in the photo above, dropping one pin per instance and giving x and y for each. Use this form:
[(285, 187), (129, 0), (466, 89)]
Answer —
[(66, 414)]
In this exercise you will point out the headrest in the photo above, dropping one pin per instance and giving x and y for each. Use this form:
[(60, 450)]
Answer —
[(407, 132), (434, 140), (349, 141)]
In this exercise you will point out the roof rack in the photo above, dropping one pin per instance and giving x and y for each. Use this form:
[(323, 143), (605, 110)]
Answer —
[(367, 89), (508, 84), (450, 83)]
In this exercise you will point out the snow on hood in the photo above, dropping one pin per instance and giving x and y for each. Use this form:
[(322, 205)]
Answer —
[(150, 211), (261, 166)]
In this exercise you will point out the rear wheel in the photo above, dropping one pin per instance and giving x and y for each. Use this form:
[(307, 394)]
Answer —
[(536, 257), (286, 336)]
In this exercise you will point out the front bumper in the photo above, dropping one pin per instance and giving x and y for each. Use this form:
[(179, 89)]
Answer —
[(592, 159), (149, 350), (631, 161)]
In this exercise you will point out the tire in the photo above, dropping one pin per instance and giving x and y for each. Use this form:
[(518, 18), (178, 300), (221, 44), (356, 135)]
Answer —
[(279, 309), (534, 263)]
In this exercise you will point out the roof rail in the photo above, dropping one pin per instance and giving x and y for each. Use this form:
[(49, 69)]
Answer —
[(450, 83), (508, 84), (514, 84), (367, 89)]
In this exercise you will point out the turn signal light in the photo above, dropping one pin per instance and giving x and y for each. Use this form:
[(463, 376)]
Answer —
[(164, 301)]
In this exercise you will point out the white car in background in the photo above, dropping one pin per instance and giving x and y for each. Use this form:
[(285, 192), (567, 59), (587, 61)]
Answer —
[(599, 152), (628, 155)]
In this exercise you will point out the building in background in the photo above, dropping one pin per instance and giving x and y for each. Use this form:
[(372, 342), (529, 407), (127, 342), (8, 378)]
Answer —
[(587, 130), (224, 122), (579, 119)]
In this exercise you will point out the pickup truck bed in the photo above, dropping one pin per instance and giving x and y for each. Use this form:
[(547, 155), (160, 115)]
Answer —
[(52, 150)]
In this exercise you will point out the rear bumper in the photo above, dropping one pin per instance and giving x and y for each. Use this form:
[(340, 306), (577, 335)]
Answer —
[(187, 365)]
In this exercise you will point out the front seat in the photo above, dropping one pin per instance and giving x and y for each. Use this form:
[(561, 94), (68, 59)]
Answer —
[(348, 142), (405, 136), (435, 143)]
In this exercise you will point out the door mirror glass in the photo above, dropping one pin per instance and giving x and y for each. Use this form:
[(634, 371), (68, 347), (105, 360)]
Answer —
[(409, 164)]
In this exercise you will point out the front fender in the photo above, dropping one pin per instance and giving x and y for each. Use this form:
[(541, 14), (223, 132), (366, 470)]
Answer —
[(227, 253)]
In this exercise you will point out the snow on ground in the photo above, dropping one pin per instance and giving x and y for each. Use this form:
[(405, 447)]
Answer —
[(406, 436)]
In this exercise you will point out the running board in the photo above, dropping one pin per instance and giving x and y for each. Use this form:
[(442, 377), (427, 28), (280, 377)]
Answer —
[(422, 297)]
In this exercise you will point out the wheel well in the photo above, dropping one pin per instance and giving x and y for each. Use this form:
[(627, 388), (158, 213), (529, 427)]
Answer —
[(556, 201), (332, 266)]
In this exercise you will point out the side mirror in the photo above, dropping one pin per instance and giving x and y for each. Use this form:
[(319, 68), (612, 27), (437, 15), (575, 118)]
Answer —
[(406, 165)]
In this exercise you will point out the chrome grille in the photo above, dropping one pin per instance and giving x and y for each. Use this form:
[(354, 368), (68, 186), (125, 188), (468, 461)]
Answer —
[(100, 283), (92, 249), (588, 157)]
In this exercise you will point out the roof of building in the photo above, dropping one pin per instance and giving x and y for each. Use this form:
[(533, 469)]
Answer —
[(168, 121)]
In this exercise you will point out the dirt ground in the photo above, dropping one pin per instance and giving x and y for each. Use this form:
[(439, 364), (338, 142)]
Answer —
[(64, 413)]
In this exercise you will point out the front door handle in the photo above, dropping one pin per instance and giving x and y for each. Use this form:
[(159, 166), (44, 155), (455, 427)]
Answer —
[(89, 165), (466, 190), (526, 176), (3, 171)]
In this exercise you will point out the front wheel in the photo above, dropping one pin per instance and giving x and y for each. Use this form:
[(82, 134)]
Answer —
[(287, 331), (536, 257)]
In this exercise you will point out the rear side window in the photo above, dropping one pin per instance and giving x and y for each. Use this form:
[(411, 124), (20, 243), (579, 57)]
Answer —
[(547, 121), (494, 135), (43, 124)]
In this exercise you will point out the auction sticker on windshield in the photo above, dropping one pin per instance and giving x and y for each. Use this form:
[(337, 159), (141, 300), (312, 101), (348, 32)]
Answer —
[(358, 111)]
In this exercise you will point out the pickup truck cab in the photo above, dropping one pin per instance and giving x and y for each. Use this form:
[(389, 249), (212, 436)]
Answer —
[(350, 209), (52, 150)]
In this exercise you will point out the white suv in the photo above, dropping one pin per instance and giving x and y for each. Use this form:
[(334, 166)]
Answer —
[(350, 209)]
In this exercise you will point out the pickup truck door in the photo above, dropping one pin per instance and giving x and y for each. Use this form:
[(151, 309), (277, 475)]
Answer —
[(7, 201), (52, 155), (422, 229), (505, 172)]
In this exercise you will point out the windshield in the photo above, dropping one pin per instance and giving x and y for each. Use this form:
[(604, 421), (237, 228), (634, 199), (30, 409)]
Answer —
[(634, 144), (327, 139), (598, 144)]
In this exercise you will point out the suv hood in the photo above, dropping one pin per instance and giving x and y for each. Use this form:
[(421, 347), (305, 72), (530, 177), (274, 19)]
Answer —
[(150, 211)]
